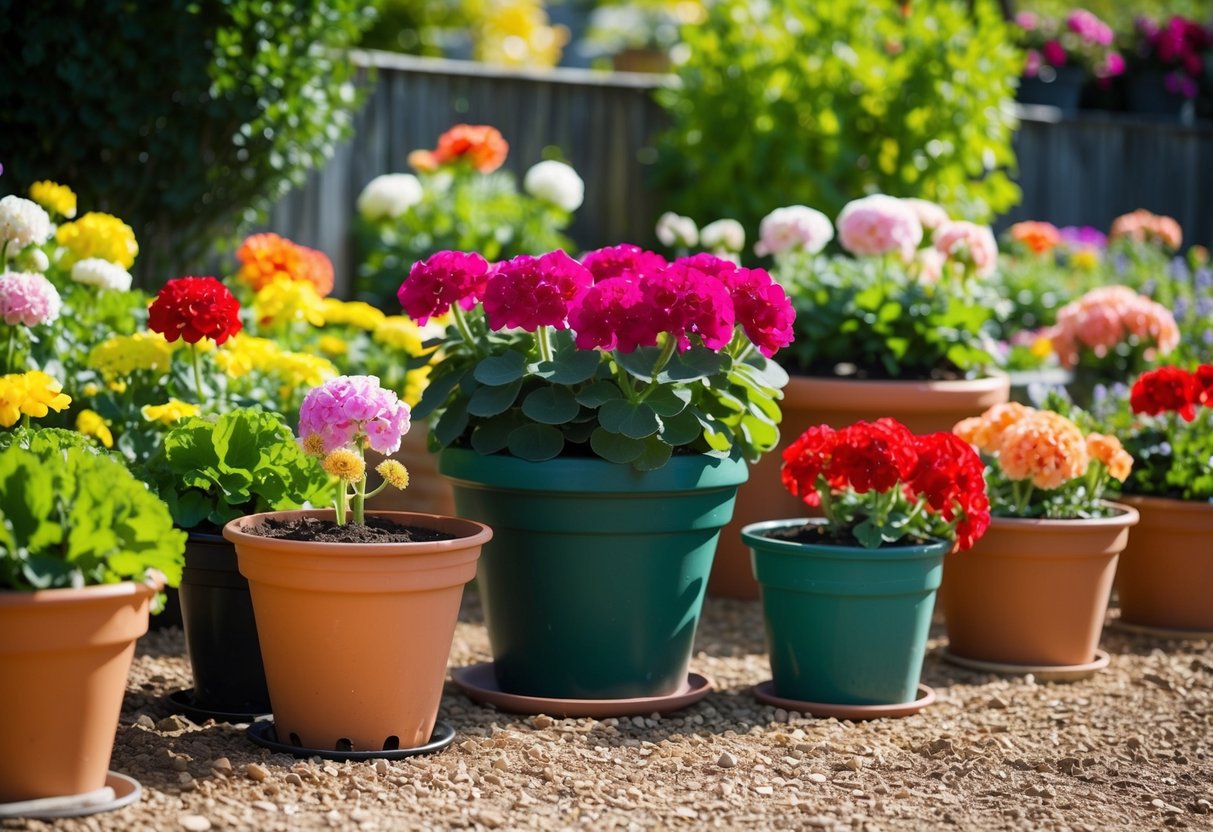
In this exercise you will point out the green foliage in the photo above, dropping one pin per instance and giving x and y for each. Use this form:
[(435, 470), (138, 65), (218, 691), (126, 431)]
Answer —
[(416, 27), (243, 462), (813, 103), (1119, 14), (72, 517), (185, 117)]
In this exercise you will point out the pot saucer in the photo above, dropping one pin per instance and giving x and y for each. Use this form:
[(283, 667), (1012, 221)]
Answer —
[(1043, 673), (264, 734), (1159, 632), (183, 701), (119, 791), (765, 692), (479, 682)]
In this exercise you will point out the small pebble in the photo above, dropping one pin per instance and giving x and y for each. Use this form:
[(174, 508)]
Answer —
[(543, 721), (194, 823), (817, 778), (180, 764), (257, 772), (222, 764), (145, 721), (265, 806), (172, 723), (381, 767), (726, 760), (294, 779)]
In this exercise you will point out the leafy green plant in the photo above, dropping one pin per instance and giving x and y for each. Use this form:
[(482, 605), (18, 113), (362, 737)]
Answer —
[(817, 102), (246, 97), (243, 462), (72, 517)]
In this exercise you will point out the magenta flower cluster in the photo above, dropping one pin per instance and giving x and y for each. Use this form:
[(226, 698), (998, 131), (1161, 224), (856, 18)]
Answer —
[(353, 412), (617, 298), (1179, 45), (1082, 40), (447, 278)]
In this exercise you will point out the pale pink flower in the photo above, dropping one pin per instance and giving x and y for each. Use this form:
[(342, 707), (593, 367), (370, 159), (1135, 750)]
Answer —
[(877, 225), (352, 412), (930, 214), (968, 243), (28, 298), (793, 228)]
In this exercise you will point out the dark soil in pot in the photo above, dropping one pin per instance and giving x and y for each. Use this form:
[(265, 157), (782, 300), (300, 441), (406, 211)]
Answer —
[(374, 530)]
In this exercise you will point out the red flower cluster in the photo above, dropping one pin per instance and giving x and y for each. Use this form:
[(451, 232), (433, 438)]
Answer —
[(448, 277), (1173, 390), (530, 292), (193, 308), (939, 470)]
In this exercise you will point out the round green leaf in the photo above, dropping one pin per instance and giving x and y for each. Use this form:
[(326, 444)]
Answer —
[(551, 405), (536, 442), (634, 419), (500, 369), (490, 401), (614, 447)]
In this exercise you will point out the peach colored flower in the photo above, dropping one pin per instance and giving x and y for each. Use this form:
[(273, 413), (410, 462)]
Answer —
[(1109, 451), (1142, 226), (1105, 317), (483, 145), (1040, 237), (1046, 448), (423, 161), (985, 431)]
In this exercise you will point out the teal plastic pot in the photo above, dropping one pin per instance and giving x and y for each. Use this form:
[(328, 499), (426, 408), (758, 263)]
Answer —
[(594, 581), (845, 625)]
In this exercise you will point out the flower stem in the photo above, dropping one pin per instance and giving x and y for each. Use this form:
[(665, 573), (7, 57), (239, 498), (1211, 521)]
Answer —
[(360, 501), (342, 504), (667, 353), (465, 332), (827, 504), (543, 340), (12, 347), (197, 372)]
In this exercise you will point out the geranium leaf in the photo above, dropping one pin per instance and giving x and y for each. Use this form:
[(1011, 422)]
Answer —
[(634, 419), (656, 454), (614, 447), (501, 369), (599, 393), (490, 401), (536, 442), (550, 405), (667, 400)]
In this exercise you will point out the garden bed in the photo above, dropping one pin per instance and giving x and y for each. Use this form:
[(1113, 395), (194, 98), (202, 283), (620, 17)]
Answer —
[(1131, 748)]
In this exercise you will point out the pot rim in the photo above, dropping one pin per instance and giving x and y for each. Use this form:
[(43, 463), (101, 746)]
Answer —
[(850, 393), (83, 594), (753, 531), (477, 533), (1126, 516), (1169, 503)]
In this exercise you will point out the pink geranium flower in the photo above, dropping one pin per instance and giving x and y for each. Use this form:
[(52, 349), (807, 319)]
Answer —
[(968, 243), (353, 412), (762, 309), (878, 225), (622, 259), (28, 298), (530, 292), (685, 301), (445, 279)]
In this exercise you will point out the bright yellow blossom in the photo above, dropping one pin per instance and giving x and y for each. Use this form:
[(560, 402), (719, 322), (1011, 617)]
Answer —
[(415, 382), (299, 369), (169, 412), (397, 475), (1085, 259), (90, 423), (313, 444), (333, 345), (99, 235), (352, 313), (122, 355), (29, 394), (345, 465), (283, 300), (400, 332), (56, 198), (244, 353)]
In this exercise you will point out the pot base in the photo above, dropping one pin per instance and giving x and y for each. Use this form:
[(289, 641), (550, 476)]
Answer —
[(119, 791), (1159, 632), (479, 682), (1043, 673), (183, 702), (264, 734), (764, 692)]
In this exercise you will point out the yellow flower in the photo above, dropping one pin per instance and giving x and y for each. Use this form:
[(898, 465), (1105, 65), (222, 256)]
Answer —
[(169, 412), (283, 300), (90, 423), (396, 475), (333, 345), (313, 444), (345, 465), (352, 313), (243, 353), (415, 382), (299, 369), (29, 394), (400, 332), (99, 235), (1085, 259), (1042, 347), (90, 390), (59, 199), (122, 355)]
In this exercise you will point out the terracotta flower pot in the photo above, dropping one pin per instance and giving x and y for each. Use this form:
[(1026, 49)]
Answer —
[(1033, 592), (922, 406), (1165, 577), (64, 659), (355, 637)]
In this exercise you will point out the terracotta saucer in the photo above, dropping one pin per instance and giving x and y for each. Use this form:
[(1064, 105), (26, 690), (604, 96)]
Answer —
[(1159, 632), (119, 791), (264, 734), (183, 702), (479, 682), (765, 692), (1043, 673)]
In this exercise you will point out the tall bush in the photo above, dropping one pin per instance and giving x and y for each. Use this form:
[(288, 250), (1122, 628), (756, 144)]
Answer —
[(185, 117), (817, 103)]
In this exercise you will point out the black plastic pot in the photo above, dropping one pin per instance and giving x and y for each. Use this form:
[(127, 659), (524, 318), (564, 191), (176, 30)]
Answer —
[(220, 631)]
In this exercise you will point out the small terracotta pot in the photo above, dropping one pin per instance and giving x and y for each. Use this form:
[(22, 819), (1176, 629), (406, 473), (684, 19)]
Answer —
[(1033, 592), (1165, 577), (355, 637), (923, 406), (64, 659)]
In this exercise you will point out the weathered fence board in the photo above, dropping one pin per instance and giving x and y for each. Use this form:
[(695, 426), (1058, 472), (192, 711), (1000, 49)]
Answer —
[(1082, 171)]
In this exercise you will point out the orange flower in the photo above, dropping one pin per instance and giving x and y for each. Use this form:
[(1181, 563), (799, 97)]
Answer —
[(423, 161), (1045, 447), (1109, 451), (483, 145), (985, 431), (267, 257), (317, 270), (1040, 237)]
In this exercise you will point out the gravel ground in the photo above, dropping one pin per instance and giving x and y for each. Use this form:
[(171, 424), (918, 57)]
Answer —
[(1129, 749)]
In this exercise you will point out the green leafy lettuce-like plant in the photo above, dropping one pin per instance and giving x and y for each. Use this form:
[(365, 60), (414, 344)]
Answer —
[(828, 100), (242, 462), (71, 517), (246, 97)]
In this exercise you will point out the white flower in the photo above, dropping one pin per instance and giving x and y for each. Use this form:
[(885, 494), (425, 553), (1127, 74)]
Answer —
[(674, 230), (722, 235), (23, 223), (793, 227), (557, 183), (101, 273), (389, 196)]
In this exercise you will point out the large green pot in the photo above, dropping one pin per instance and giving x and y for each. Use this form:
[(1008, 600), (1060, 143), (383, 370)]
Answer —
[(845, 625), (594, 580)]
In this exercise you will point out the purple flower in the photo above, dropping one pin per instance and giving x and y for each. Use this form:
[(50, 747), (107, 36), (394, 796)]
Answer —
[(1084, 236)]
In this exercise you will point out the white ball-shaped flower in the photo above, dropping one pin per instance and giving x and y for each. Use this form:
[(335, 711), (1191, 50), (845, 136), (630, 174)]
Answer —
[(101, 273), (23, 223), (794, 227), (722, 235), (390, 195), (557, 183), (676, 230)]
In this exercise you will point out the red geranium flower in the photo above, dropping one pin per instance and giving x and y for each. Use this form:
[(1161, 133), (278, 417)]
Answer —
[(193, 308), (1204, 385), (1166, 389)]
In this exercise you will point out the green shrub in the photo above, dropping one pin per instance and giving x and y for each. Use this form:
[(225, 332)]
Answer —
[(185, 117), (814, 103)]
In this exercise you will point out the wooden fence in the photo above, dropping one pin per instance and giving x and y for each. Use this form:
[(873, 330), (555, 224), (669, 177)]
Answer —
[(1079, 171)]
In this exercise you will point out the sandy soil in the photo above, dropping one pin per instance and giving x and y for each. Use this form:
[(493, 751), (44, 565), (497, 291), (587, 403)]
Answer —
[(1131, 749)]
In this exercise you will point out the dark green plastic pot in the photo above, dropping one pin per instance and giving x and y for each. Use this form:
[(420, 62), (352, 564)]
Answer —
[(594, 580), (220, 631), (845, 625)]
